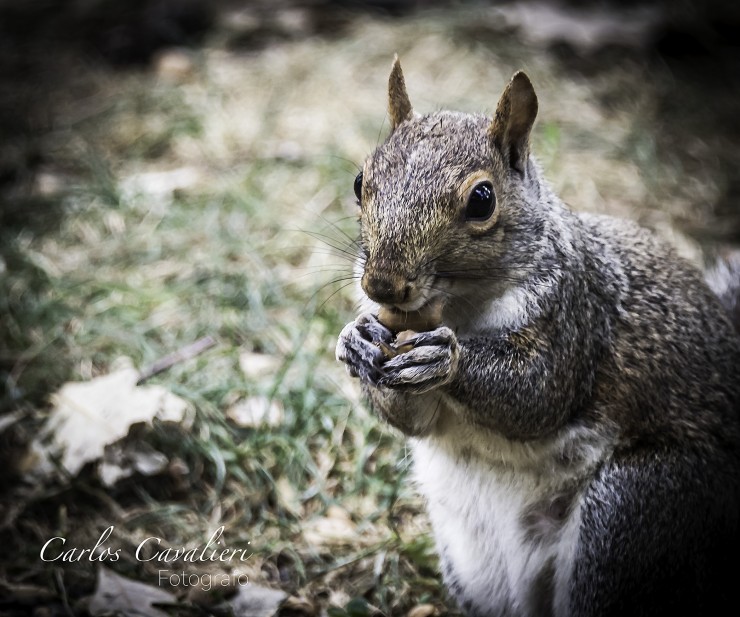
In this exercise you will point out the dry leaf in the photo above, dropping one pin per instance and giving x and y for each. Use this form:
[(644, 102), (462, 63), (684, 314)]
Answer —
[(256, 411), (161, 183), (335, 528), (423, 610), (117, 594), (174, 65), (543, 23), (299, 605), (88, 416), (255, 601), (258, 365), (123, 460), (212, 595), (288, 497)]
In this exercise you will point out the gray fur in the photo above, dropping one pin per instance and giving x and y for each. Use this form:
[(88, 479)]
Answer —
[(580, 360), (724, 280)]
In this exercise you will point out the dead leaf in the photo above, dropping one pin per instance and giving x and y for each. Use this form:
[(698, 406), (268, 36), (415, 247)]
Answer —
[(256, 411), (88, 416), (335, 528), (586, 29), (115, 593), (122, 460), (288, 497), (299, 605), (258, 365), (255, 601), (161, 184), (174, 65), (207, 596), (423, 610)]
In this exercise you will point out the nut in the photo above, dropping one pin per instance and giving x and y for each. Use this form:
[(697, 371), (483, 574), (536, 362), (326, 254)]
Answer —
[(427, 318), (399, 346)]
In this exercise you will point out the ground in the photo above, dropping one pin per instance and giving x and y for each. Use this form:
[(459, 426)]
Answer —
[(206, 190)]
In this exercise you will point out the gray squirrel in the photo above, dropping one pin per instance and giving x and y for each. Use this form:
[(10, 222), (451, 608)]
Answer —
[(569, 385)]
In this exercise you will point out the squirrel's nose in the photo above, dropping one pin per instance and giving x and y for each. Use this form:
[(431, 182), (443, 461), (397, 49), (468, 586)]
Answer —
[(387, 288)]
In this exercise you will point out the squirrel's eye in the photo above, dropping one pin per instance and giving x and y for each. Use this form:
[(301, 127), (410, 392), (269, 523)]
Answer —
[(358, 186), (481, 202)]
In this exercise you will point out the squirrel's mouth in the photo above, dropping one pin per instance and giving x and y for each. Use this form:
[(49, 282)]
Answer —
[(408, 307), (426, 300)]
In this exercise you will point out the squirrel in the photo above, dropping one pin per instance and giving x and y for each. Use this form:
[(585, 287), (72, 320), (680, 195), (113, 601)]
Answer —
[(570, 388)]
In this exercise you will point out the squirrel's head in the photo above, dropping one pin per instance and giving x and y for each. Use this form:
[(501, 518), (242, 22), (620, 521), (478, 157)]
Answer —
[(438, 198)]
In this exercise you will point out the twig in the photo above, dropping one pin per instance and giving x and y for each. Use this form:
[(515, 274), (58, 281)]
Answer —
[(62, 590), (182, 354)]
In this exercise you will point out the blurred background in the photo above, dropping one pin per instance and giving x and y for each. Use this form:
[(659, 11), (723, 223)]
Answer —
[(176, 238)]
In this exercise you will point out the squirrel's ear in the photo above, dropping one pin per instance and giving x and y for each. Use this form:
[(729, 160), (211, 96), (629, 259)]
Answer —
[(399, 106), (515, 114)]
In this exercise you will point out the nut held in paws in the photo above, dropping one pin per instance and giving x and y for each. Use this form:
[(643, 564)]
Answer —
[(427, 318), (400, 346)]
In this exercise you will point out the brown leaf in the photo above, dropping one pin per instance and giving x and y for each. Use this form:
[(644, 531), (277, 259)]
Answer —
[(115, 593), (88, 416), (423, 610), (257, 366), (256, 411), (335, 528), (255, 601), (298, 606)]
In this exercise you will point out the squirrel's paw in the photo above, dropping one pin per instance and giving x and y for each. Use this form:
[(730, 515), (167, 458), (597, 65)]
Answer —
[(358, 348), (431, 362)]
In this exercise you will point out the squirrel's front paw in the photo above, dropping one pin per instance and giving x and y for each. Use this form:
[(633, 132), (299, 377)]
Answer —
[(358, 347), (431, 362)]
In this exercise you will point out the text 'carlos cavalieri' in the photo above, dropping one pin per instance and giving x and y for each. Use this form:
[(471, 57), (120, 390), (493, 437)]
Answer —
[(149, 549)]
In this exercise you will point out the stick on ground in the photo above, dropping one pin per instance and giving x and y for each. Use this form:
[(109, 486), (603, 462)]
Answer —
[(182, 354)]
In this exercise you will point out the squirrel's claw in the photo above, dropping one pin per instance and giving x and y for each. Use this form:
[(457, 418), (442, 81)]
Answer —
[(372, 330), (431, 362), (358, 350), (439, 336)]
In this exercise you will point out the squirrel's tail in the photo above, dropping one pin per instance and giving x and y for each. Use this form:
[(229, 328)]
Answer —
[(724, 279)]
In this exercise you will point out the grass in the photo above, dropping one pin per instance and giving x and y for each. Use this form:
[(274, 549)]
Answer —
[(135, 269), (220, 203)]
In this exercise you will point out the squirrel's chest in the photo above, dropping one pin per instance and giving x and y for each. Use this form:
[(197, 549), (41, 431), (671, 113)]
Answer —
[(506, 538)]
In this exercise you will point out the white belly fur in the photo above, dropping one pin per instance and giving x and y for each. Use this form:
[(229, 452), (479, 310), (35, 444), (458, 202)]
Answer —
[(476, 501)]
